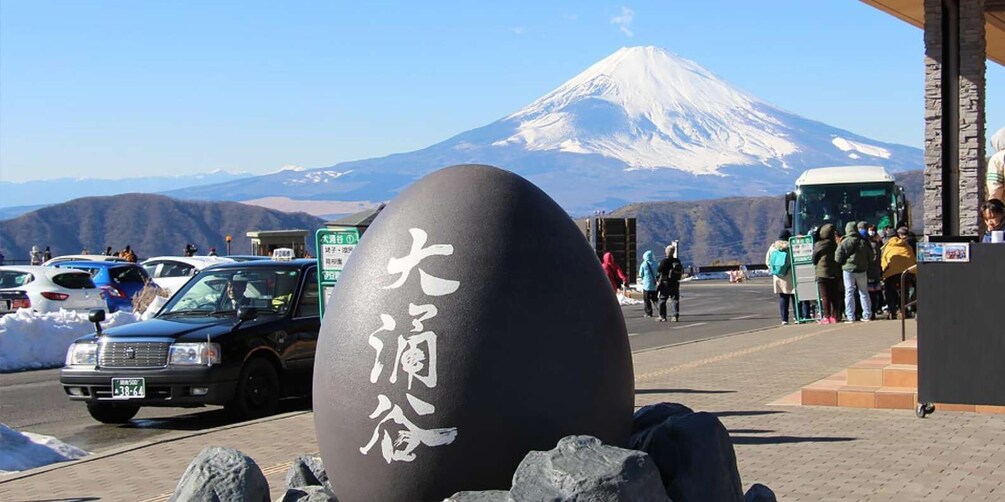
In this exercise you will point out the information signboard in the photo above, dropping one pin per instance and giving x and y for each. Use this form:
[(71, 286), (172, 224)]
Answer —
[(334, 245), (804, 274)]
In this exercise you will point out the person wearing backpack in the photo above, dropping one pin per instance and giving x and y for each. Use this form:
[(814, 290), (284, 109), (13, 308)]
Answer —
[(854, 255), (670, 272), (779, 265), (648, 279)]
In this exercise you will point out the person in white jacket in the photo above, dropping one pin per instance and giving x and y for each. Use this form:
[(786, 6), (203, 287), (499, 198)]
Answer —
[(783, 285), (996, 167)]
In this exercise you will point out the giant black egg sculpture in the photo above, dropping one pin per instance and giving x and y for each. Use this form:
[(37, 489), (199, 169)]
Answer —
[(472, 324)]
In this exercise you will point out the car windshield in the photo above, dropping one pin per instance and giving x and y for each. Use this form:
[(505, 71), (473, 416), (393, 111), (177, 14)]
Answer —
[(14, 279), (218, 292), (842, 203)]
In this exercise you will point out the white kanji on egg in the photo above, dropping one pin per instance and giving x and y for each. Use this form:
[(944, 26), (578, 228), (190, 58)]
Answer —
[(431, 285)]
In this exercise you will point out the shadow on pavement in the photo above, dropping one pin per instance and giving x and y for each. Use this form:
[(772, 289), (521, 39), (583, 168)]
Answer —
[(682, 391), (754, 440), (744, 413), (206, 419)]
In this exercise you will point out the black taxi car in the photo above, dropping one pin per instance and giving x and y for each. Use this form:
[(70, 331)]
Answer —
[(241, 335)]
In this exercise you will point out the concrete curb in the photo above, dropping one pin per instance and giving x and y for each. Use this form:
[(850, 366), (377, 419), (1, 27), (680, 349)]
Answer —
[(168, 438)]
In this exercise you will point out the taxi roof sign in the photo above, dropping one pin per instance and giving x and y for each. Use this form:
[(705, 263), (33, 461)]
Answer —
[(282, 254)]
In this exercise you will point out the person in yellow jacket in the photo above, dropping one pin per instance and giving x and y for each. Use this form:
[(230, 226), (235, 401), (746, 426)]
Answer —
[(898, 256), (996, 168)]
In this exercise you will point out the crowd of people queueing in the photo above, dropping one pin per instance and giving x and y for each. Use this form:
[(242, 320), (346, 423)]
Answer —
[(867, 262)]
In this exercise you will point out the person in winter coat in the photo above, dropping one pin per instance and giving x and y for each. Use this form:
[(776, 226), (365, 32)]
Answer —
[(36, 256), (827, 273), (875, 272), (46, 255), (993, 212), (670, 272), (129, 255), (853, 256), (898, 256), (648, 279), (613, 271), (996, 167), (782, 285)]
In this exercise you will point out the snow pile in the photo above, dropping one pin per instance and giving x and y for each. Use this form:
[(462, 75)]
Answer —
[(29, 340), (624, 300), (25, 450)]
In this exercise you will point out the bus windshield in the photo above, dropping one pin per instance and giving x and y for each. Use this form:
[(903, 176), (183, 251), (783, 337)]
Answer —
[(839, 204)]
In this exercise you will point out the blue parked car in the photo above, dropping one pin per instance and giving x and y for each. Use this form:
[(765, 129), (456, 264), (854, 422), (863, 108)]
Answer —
[(119, 281)]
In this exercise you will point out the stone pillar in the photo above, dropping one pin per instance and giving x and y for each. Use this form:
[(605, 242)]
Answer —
[(933, 117), (955, 63), (973, 165)]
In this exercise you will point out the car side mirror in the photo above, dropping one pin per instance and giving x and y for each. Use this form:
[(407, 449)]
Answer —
[(97, 316), (247, 313)]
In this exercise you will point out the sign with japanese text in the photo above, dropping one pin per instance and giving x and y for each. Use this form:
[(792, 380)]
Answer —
[(333, 249)]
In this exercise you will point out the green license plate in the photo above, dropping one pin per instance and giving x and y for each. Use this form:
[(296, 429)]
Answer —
[(129, 388)]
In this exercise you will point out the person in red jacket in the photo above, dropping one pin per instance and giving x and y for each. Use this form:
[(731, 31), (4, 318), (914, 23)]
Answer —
[(613, 271)]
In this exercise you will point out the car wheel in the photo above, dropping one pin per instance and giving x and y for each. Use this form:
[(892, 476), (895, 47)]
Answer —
[(112, 413), (257, 390)]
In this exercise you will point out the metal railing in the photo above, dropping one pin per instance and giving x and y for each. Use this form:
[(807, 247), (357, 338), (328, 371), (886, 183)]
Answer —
[(903, 299)]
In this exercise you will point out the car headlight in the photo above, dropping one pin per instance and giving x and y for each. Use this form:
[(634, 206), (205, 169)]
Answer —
[(194, 354), (82, 354)]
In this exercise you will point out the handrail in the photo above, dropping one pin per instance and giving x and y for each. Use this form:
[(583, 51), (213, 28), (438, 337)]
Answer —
[(903, 296)]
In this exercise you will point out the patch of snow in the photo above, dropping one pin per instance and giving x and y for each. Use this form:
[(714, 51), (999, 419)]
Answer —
[(624, 300), (289, 167), (313, 177), (873, 151), (29, 340), (26, 450), (854, 156)]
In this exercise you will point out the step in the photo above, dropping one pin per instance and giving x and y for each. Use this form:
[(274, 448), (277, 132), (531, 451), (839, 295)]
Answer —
[(857, 396), (896, 398), (905, 352), (868, 372), (823, 392), (900, 375)]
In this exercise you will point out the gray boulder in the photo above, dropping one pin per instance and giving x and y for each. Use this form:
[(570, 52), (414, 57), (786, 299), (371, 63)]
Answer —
[(483, 496), (308, 494), (306, 471), (759, 493), (581, 468), (692, 451), (223, 475)]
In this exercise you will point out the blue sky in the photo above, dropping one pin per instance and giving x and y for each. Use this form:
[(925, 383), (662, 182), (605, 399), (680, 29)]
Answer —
[(120, 89)]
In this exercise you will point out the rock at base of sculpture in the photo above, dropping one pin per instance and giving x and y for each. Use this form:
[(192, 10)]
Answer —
[(693, 452), (583, 468), (306, 471), (222, 474), (759, 493), (308, 494)]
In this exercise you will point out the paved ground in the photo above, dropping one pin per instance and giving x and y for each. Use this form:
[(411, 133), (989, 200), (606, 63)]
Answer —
[(803, 453), (34, 401)]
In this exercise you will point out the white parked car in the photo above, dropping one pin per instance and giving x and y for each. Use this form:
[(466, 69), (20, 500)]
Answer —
[(173, 272), (51, 289), (83, 257)]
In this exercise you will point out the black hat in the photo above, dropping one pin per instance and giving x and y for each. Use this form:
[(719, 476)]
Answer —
[(784, 235)]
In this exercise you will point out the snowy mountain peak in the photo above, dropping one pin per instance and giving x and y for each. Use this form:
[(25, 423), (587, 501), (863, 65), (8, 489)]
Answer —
[(651, 109)]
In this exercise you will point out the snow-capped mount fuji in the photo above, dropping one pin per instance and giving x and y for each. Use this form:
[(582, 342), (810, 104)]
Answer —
[(642, 124), (651, 109)]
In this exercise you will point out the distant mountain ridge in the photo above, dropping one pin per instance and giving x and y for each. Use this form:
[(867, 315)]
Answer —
[(640, 125), (29, 195), (152, 224)]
